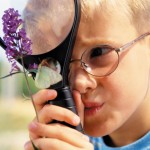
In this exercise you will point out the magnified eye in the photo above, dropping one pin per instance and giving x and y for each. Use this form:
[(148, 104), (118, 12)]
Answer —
[(99, 51)]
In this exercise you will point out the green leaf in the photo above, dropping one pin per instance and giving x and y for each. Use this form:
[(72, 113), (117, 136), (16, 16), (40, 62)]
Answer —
[(46, 77)]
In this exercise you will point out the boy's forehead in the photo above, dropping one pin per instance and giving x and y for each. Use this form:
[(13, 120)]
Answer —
[(102, 24), (104, 8)]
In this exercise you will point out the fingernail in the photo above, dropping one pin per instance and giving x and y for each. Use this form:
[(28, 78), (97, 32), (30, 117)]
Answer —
[(33, 126), (49, 93), (86, 137), (76, 120), (26, 146)]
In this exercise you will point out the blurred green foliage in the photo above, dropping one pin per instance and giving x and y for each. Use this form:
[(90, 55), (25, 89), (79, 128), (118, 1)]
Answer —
[(15, 115), (16, 112), (19, 84), (14, 119)]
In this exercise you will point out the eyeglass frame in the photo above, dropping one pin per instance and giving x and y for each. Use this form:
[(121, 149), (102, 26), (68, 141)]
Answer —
[(120, 49)]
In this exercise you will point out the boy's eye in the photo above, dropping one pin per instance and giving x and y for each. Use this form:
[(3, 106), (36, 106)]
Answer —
[(99, 51)]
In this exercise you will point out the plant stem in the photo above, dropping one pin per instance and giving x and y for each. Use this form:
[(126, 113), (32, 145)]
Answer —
[(29, 89)]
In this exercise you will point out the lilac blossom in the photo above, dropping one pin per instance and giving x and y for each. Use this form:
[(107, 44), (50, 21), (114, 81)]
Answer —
[(11, 21), (33, 66), (17, 46), (17, 43)]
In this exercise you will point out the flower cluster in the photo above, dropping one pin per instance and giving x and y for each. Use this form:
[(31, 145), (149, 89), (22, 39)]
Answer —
[(17, 46), (15, 38), (33, 66)]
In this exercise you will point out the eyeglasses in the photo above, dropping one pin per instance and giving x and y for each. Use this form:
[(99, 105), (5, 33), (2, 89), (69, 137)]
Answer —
[(102, 60)]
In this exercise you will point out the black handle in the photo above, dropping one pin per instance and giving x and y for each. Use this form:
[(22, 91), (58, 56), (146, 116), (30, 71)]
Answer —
[(65, 99)]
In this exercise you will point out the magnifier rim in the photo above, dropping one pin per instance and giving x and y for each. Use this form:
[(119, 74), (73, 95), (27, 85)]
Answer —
[(59, 35)]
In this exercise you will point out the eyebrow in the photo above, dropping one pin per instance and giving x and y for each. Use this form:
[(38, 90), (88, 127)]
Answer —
[(110, 42)]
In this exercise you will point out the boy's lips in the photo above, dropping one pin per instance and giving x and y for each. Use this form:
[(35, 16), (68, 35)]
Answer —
[(92, 108)]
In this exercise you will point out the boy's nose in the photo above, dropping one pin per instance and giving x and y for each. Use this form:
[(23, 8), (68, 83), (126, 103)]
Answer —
[(80, 80)]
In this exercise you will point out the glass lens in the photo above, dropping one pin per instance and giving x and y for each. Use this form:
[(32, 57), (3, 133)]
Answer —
[(100, 60), (48, 23)]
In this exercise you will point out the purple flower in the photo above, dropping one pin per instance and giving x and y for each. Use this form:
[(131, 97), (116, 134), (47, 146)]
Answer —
[(25, 43), (11, 21), (16, 40), (33, 66)]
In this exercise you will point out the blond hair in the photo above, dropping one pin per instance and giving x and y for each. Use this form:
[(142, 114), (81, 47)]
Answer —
[(136, 11)]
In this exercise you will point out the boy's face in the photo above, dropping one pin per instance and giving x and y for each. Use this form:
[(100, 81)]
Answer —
[(117, 100)]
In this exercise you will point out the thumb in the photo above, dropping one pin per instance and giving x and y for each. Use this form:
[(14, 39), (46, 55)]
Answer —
[(79, 105)]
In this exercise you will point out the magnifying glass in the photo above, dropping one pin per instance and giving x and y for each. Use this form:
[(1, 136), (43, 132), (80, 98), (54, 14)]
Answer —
[(58, 28)]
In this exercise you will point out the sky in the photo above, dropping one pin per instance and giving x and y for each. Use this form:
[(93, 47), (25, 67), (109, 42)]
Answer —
[(4, 5)]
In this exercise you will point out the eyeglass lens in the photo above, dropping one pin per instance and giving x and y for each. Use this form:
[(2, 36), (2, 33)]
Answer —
[(100, 61)]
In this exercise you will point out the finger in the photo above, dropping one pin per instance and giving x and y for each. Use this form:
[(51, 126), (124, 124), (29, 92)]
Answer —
[(33, 135), (42, 96), (62, 133), (53, 112), (49, 144), (79, 104)]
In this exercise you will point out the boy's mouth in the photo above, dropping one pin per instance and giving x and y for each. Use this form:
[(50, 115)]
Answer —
[(92, 108)]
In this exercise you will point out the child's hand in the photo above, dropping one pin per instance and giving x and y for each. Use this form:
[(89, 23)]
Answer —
[(55, 136)]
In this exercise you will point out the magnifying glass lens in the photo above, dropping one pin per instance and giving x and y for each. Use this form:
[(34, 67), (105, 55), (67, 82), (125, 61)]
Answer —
[(48, 23)]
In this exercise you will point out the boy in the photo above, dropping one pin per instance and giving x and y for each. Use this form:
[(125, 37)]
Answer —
[(113, 94)]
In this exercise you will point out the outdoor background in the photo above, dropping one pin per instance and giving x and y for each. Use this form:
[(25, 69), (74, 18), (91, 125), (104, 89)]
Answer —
[(15, 110)]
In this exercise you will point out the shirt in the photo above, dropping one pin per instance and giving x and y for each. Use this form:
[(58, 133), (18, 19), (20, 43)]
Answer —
[(141, 144)]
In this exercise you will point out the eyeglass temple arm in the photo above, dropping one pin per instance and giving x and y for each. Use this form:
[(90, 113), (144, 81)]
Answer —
[(132, 42), (73, 60)]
